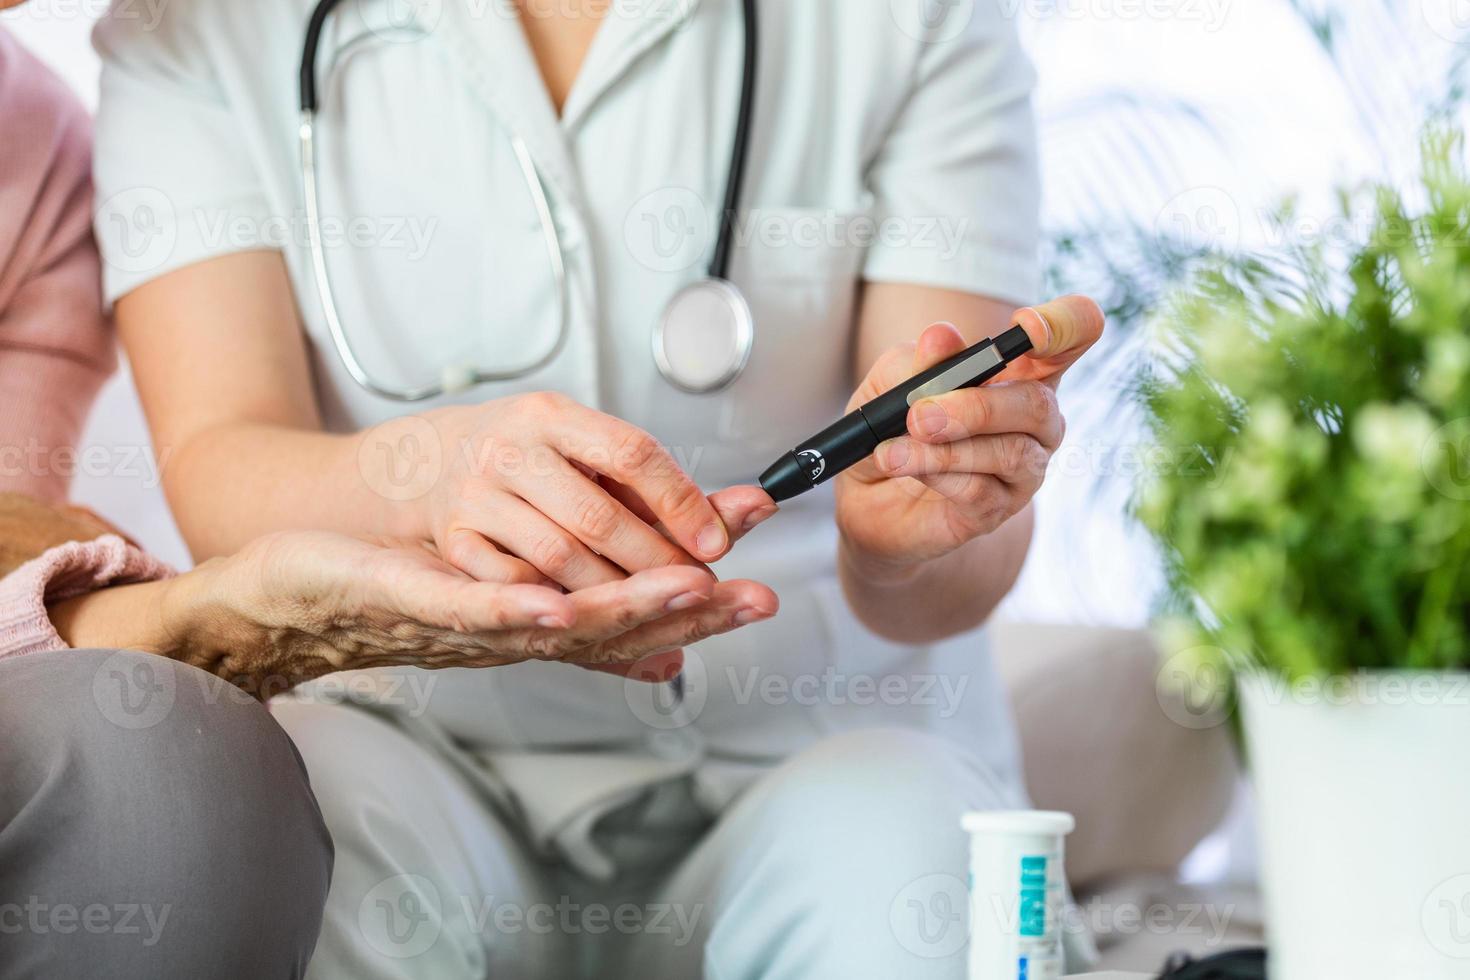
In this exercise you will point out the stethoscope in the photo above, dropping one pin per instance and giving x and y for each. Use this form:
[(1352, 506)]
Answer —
[(701, 343)]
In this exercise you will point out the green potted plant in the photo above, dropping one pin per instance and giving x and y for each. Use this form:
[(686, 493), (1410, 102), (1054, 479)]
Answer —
[(1311, 419)]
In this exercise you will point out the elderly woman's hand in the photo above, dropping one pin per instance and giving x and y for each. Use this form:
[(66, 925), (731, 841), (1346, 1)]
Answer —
[(973, 458), (292, 607)]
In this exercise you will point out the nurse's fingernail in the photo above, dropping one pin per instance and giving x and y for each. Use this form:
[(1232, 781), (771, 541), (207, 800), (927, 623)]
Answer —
[(686, 601), (552, 623), (751, 615), (895, 456), (759, 516), (930, 419), (1045, 326), (712, 541)]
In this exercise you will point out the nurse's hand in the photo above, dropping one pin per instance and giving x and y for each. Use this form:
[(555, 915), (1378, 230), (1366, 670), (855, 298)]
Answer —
[(539, 488), (973, 458)]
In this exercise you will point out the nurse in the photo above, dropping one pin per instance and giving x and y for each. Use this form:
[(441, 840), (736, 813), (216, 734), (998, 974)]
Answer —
[(791, 807)]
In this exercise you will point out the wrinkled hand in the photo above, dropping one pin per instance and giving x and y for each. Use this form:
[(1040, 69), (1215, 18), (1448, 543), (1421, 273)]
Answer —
[(972, 459), (295, 606)]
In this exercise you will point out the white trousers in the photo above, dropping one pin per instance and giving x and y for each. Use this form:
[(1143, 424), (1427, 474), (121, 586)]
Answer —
[(846, 861)]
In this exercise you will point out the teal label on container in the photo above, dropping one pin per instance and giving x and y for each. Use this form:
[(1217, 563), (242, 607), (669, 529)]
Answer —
[(1032, 910)]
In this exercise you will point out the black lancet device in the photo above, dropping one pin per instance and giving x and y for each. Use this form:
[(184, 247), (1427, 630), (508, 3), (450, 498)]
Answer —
[(855, 437)]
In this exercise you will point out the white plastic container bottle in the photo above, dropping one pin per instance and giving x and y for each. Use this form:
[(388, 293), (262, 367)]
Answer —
[(1017, 889)]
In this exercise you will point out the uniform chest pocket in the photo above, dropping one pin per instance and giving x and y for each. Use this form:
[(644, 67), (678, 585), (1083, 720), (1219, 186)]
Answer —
[(800, 269)]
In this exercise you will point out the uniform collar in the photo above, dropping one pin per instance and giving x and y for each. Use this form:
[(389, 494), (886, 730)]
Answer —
[(632, 28), (485, 41)]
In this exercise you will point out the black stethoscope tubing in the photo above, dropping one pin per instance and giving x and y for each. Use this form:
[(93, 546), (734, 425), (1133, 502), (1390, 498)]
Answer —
[(719, 267)]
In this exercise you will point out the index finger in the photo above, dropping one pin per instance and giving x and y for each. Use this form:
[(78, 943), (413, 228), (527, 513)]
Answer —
[(627, 454)]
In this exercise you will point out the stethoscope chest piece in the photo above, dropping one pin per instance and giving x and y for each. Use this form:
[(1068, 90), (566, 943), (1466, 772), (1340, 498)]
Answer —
[(704, 339)]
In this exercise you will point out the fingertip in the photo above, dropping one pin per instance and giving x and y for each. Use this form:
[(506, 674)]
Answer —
[(548, 608), (892, 456), (674, 581), (927, 420), (703, 578), (758, 517), (937, 342), (743, 509), (893, 366), (1038, 329), (666, 666), (758, 596), (712, 541), (1089, 310), (1062, 325), (945, 327)]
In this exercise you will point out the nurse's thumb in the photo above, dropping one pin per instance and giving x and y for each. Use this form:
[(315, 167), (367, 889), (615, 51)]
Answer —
[(1062, 328)]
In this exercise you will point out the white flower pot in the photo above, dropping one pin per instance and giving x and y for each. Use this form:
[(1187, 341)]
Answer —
[(1364, 802)]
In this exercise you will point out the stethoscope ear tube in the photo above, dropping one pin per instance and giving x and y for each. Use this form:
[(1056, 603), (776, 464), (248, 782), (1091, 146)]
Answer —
[(719, 267), (307, 86), (454, 377)]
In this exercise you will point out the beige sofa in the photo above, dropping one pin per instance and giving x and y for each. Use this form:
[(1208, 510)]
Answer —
[(1099, 743)]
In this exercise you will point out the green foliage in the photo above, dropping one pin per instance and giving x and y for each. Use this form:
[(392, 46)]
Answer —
[(1311, 417)]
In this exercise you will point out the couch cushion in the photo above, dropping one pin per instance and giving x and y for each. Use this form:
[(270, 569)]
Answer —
[(1098, 742)]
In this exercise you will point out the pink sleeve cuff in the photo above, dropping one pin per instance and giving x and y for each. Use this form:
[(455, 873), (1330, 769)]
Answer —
[(66, 571)]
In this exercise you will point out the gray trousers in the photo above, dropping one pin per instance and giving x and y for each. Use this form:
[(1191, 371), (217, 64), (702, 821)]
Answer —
[(154, 823)]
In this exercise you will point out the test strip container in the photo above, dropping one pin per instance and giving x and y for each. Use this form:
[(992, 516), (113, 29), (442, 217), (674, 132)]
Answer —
[(1017, 891)]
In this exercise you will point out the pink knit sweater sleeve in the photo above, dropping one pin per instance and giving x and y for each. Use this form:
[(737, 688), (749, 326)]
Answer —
[(61, 573), (55, 345)]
